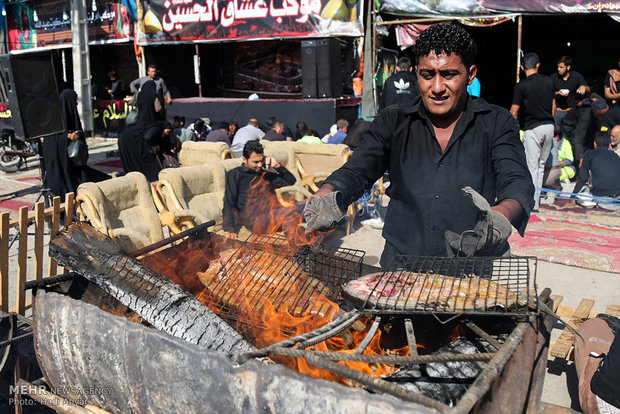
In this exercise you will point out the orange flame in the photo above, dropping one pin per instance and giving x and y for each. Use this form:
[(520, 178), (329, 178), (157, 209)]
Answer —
[(269, 216)]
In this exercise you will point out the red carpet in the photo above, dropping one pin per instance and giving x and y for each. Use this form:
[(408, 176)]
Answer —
[(111, 163), (572, 243)]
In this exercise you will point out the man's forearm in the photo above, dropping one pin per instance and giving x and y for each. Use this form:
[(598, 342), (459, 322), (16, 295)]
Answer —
[(509, 208)]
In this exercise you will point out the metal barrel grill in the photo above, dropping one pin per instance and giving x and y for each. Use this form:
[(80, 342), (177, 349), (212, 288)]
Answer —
[(236, 279)]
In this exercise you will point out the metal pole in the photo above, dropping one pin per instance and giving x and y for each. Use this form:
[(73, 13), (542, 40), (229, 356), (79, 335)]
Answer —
[(368, 88), (197, 70), (519, 33), (81, 63)]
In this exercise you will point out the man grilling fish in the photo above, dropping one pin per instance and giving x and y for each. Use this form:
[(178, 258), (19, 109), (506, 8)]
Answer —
[(458, 173)]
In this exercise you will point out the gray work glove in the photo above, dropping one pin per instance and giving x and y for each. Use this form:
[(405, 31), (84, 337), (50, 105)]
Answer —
[(322, 213), (490, 232)]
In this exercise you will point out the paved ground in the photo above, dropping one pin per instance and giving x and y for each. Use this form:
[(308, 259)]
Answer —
[(20, 188)]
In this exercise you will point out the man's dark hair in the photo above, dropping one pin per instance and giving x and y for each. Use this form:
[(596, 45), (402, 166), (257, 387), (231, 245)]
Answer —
[(152, 66), (254, 122), (404, 63), (199, 125), (252, 147), (530, 60), (113, 74), (557, 131), (446, 38), (602, 139), (271, 121), (567, 60)]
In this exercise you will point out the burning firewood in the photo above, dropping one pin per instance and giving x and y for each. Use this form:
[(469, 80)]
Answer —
[(162, 303)]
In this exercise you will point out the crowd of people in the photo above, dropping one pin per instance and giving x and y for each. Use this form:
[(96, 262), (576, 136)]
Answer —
[(567, 132)]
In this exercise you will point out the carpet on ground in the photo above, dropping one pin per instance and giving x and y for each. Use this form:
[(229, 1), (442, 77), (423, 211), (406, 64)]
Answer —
[(561, 209), (586, 245)]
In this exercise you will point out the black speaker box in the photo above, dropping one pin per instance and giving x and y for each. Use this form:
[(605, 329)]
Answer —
[(309, 87), (31, 89), (321, 68), (328, 65)]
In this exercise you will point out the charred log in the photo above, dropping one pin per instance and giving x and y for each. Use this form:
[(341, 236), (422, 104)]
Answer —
[(445, 382), (139, 370), (162, 303)]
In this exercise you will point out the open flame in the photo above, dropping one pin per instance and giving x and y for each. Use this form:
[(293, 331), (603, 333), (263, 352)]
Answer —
[(269, 216)]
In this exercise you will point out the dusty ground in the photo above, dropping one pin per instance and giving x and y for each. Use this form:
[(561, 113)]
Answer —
[(21, 188)]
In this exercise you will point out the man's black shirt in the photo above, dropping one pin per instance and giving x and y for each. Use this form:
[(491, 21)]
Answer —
[(574, 81), (534, 95), (484, 152), (400, 88), (602, 167), (249, 195)]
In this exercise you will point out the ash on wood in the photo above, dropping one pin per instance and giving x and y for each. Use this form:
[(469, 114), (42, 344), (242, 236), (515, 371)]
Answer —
[(162, 303)]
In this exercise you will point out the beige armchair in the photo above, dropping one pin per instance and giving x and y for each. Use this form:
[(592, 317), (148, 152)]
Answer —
[(199, 152), (284, 153), (195, 194), (122, 208), (315, 162)]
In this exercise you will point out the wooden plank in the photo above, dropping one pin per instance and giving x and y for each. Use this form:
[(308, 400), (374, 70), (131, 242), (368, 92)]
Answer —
[(565, 311), (22, 262), (69, 206), (613, 310), (563, 345), (4, 261), (557, 299), (51, 264), (39, 229)]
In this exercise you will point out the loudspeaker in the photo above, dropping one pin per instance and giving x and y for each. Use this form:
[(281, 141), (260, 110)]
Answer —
[(309, 86), (321, 73), (31, 89), (328, 68)]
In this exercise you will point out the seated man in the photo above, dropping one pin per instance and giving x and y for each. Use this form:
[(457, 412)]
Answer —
[(597, 361), (249, 194), (341, 134), (601, 167), (559, 165)]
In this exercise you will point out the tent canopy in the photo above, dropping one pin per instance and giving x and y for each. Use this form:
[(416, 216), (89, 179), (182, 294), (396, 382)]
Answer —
[(476, 8)]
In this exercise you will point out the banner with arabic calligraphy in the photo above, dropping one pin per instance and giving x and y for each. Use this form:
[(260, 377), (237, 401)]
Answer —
[(487, 7), (42, 23), (163, 21), (109, 117)]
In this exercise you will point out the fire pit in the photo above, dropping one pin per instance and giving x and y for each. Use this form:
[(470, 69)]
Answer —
[(285, 303)]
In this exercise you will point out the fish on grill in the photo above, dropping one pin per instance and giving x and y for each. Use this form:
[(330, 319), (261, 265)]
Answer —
[(420, 291), (243, 279)]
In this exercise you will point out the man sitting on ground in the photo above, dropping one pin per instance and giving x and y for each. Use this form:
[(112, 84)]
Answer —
[(275, 133), (341, 134), (248, 133), (615, 140), (220, 134), (249, 193), (602, 168), (559, 167)]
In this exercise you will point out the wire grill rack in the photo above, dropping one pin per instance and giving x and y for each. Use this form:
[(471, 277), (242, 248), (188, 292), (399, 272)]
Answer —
[(479, 285), (267, 271)]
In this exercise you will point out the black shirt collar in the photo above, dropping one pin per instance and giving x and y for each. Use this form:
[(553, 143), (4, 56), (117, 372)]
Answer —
[(472, 106)]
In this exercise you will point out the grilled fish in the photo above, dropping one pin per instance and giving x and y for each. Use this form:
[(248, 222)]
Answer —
[(243, 280), (419, 291)]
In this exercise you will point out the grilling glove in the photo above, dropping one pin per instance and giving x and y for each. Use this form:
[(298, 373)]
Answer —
[(322, 213), (490, 232)]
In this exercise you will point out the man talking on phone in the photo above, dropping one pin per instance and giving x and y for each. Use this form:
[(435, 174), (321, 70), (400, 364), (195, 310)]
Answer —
[(250, 190)]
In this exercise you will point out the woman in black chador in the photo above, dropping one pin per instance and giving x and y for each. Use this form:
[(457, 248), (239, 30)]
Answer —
[(138, 144), (61, 174)]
